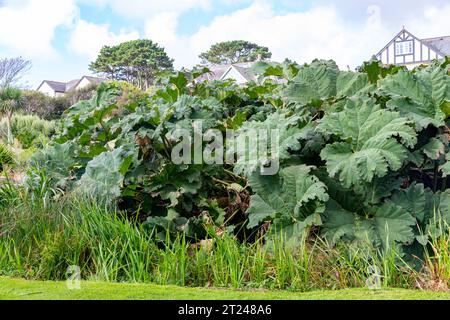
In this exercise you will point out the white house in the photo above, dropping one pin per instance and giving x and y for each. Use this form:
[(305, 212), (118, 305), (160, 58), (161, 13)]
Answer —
[(58, 89), (406, 49), (240, 72)]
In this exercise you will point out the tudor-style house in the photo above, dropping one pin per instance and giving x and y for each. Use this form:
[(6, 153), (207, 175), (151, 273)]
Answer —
[(58, 89), (406, 49)]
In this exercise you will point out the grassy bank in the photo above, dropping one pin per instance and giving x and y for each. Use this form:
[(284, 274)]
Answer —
[(40, 239), (13, 289)]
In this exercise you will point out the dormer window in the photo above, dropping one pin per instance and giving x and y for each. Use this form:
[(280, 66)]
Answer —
[(404, 47)]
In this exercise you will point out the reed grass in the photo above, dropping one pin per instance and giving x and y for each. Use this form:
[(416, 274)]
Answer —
[(40, 239)]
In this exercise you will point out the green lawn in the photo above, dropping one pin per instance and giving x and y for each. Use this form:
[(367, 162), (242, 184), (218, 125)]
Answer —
[(15, 289)]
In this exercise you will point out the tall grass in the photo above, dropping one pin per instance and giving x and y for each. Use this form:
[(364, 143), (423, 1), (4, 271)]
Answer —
[(437, 256), (41, 239)]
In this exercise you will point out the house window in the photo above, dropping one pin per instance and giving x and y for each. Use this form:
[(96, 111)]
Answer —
[(404, 47)]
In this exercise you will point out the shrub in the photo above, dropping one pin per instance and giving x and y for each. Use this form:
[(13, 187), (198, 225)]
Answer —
[(49, 108), (82, 94), (41, 105), (30, 130)]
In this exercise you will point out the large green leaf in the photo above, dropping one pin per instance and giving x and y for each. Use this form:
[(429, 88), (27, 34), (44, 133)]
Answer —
[(269, 69), (378, 189), (438, 216), (434, 149), (260, 143), (313, 82), (104, 175), (389, 223), (375, 70), (439, 206), (59, 163), (173, 182), (373, 141), (445, 168), (350, 83), (338, 223), (293, 197), (382, 225), (430, 209), (322, 80), (415, 200), (418, 95), (346, 197)]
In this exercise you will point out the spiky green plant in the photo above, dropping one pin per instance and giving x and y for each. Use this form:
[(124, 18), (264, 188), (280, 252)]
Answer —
[(6, 156), (11, 99)]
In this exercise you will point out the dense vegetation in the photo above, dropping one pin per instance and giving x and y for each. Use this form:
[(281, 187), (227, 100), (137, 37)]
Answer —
[(362, 182), (51, 108)]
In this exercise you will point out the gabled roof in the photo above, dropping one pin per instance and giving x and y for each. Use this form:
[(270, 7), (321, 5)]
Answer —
[(219, 72), (216, 73), (71, 84), (63, 87), (441, 44), (244, 72), (404, 33), (55, 85), (95, 80)]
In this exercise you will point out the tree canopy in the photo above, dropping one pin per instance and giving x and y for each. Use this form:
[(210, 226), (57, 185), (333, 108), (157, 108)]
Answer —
[(137, 61), (236, 51)]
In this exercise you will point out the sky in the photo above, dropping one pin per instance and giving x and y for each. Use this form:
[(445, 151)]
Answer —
[(61, 37)]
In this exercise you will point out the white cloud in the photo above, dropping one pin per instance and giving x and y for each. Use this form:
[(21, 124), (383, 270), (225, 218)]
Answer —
[(434, 23), (88, 38), (303, 36), (27, 27), (321, 32), (162, 28), (142, 9), (348, 32)]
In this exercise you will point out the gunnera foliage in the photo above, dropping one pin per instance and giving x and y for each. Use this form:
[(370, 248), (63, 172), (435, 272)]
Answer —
[(364, 155)]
